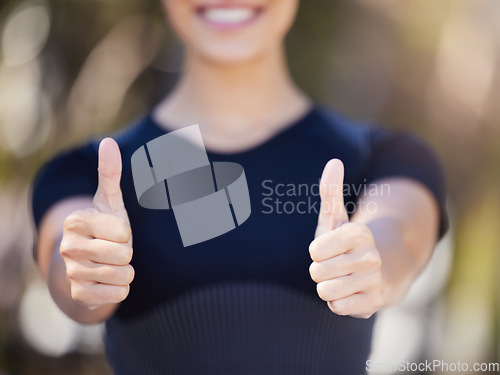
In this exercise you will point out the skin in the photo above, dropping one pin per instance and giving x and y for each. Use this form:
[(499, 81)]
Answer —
[(371, 261), (239, 77), (90, 274)]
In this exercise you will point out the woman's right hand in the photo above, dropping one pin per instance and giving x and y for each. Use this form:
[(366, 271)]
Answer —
[(97, 242)]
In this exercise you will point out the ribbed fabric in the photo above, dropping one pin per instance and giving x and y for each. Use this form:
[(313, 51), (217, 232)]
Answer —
[(239, 329)]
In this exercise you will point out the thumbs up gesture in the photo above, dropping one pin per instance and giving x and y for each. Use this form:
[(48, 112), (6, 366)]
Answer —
[(346, 264), (97, 242)]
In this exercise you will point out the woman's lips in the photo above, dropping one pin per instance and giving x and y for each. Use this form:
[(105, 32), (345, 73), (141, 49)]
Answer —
[(224, 17)]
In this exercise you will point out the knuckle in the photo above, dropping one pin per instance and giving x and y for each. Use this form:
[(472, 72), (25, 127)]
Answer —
[(130, 274), (128, 253), (113, 293), (122, 254), (66, 246), (372, 259), (120, 293), (315, 272), (364, 233), (323, 291), (71, 270), (320, 289), (340, 307), (313, 250), (79, 294), (72, 248), (320, 248), (74, 221), (123, 230)]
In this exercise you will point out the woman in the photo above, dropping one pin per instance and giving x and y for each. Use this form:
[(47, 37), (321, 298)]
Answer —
[(248, 301)]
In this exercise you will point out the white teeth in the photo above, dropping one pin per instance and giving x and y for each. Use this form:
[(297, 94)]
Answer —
[(228, 15)]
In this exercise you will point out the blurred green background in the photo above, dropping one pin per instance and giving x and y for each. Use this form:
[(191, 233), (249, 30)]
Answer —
[(70, 69)]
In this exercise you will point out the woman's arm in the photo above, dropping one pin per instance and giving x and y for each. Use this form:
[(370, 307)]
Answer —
[(371, 261), (85, 246), (405, 226)]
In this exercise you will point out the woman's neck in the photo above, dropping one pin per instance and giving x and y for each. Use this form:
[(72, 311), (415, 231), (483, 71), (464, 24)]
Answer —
[(252, 100)]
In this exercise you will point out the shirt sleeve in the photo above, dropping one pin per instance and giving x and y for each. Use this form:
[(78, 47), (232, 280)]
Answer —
[(72, 173), (404, 155)]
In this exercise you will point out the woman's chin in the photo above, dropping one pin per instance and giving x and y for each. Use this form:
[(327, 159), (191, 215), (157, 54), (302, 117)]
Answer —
[(229, 55)]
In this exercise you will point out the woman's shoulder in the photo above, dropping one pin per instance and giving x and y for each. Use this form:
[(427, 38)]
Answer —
[(369, 138), (334, 130), (129, 137)]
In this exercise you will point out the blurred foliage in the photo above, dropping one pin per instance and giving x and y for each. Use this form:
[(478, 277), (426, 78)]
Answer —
[(70, 69)]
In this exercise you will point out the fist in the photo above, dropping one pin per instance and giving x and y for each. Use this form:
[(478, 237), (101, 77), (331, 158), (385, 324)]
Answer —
[(346, 263), (97, 242)]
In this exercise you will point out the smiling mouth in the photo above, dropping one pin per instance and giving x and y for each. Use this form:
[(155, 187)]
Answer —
[(224, 17)]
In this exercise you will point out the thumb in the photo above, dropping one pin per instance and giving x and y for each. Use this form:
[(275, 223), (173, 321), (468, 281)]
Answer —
[(108, 197), (332, 212)]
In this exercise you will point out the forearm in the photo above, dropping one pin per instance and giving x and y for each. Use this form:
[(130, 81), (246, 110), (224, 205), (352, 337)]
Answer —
[(405, 228), (60, 289), (403, 257)]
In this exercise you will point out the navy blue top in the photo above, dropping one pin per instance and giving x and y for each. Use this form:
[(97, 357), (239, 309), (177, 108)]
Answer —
[(243, 302)]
